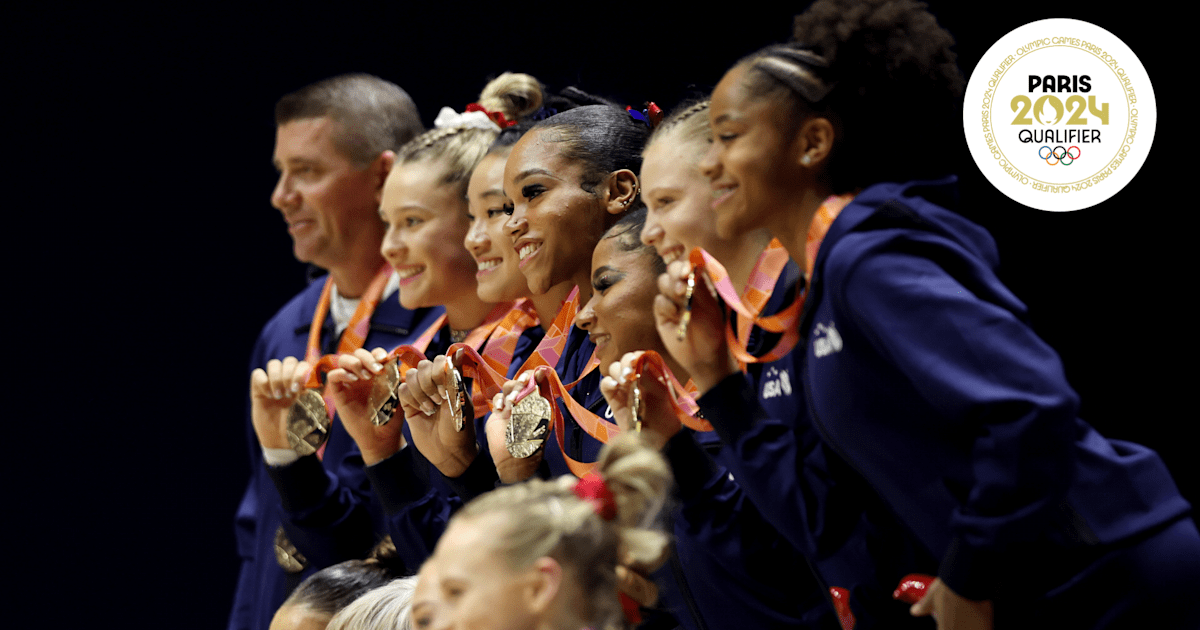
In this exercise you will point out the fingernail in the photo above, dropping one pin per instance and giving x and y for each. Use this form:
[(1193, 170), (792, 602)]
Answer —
[(442, 393), (295, 387), (351, 376), (428, 409), (375, 367), (626, 371)]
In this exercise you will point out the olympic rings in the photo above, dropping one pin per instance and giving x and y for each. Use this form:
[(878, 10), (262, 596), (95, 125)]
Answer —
[(1060, 154)]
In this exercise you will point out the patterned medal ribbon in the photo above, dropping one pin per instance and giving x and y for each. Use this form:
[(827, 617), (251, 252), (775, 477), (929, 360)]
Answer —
[(783, 322), (487, 369), (650, 363)]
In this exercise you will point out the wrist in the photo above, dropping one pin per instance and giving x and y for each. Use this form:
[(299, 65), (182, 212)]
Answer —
[(375, 455)]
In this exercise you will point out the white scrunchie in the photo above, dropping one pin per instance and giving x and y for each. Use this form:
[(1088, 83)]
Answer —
[(449, 118)]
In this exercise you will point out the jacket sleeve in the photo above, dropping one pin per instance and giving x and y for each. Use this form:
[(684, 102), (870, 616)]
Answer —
[(417, 507), (327, 515), (942, 319), (731, 556), (763, 453)]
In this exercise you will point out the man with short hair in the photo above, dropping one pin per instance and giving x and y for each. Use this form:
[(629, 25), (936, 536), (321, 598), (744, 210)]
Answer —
[(335, 144)]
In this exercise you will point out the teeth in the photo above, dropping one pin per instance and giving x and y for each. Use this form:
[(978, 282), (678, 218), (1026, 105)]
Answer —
[(409, 272), (527, 251), (484, 265), (671, 256)]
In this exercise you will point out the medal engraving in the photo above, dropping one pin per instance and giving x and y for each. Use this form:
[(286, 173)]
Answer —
[(308, 422), (528, 426), (457, 394), (384, 396)]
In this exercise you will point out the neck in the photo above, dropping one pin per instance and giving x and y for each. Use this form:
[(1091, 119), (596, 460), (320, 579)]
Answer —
[(791, 226), (467, 312), (353, 278), (548, 303), (583, 280), (676, 368), (740, 256)]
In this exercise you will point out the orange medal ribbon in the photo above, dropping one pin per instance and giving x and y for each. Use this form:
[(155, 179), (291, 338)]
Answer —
[(487, 369), (762, 282), (354, 335)]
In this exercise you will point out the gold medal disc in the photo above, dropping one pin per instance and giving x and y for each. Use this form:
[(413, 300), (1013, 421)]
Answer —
[(384, 396), (528, 426), (308, 422), (457, 393)]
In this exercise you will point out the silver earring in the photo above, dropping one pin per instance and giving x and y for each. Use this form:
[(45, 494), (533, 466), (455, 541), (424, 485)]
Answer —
[(805, 160)]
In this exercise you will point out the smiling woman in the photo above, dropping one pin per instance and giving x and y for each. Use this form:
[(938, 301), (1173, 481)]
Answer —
[(569, 178)]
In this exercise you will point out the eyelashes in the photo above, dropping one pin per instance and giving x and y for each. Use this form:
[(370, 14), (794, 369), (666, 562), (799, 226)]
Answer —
[(531, 191)]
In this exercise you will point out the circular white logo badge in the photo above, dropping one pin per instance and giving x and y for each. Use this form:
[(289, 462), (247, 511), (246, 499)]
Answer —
[(1059, 115)]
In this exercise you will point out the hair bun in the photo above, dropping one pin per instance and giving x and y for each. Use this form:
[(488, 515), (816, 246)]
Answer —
[(514, 94)]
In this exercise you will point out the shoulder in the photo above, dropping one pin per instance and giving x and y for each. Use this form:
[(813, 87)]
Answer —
[(890, 222), (290, 322)]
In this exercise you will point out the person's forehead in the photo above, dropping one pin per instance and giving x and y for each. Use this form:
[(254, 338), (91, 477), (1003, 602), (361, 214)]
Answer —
[(308, 137)]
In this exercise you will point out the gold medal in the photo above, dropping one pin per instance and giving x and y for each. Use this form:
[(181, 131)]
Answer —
[(528, 426), (686, 318), (286, 553), (456, 394), (308, 422), (635, 409), (384, 396)]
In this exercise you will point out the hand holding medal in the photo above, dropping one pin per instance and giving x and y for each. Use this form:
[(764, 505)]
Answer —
[(645, 397), (518, 426), (274, 391), (361, 388), (436, 403), (691, 322)]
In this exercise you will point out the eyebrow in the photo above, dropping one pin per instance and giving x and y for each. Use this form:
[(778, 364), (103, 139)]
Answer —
[(292, 160), (603, 270), (532, 171)]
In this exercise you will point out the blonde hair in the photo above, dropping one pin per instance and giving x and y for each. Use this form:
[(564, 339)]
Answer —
[(689, 124), (546, 518), (462, 148), (387, 607), (513, 94)]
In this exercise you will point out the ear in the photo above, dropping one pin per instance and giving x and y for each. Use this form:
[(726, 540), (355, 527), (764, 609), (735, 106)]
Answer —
[(622, 190), (545, 582), (814, 142), (379, 170)]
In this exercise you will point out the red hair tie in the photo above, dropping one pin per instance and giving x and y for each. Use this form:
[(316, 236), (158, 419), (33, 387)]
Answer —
[(591, 488), (497, 117)]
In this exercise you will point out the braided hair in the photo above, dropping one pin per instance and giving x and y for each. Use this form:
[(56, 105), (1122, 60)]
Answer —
[(461, 148)]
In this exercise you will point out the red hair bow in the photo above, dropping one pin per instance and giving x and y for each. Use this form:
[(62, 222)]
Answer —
[(497, 117), (591, 488)]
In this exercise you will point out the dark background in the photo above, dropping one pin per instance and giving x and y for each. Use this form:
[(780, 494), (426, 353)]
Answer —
[(146, 256)]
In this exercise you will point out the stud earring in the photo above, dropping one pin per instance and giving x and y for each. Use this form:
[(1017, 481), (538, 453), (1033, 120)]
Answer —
[(805, 160)]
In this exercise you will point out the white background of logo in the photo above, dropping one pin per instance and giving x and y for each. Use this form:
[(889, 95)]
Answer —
[(1059, 47)]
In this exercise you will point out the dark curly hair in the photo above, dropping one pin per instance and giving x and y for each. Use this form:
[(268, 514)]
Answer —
[(883, 72)]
